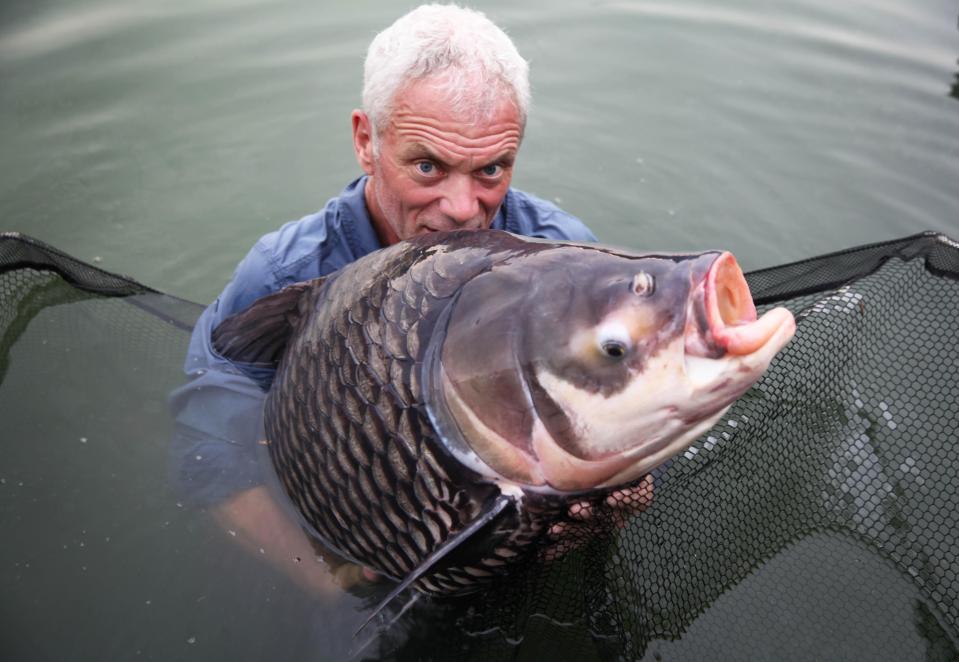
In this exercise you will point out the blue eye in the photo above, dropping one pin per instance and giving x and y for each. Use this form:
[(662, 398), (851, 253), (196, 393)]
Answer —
[(491, 170), (425, 168)]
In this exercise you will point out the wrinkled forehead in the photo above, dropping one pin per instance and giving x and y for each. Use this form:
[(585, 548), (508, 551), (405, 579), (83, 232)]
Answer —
[(465, 99)]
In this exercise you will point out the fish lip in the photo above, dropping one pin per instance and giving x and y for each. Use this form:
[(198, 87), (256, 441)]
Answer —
[(721, 316)]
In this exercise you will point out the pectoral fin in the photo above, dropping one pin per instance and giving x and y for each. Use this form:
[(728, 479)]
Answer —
[(258, 335), (493, 509)]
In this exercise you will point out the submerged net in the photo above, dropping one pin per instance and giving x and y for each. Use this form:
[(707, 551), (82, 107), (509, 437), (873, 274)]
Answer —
[(818, 519)]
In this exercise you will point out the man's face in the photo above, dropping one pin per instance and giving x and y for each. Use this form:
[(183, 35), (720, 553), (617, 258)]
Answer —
[(436, 170)]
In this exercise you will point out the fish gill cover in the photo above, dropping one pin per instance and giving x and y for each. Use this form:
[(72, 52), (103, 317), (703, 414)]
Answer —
[(818, 518)]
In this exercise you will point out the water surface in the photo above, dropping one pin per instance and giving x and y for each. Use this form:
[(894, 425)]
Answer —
[(165, 138), (161, 140)]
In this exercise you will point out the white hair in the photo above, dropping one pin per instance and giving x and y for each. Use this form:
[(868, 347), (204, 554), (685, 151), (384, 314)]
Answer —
[(472, 61)]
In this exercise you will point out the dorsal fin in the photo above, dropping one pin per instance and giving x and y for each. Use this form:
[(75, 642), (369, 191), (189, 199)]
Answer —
[(259, 334), (485, 517)]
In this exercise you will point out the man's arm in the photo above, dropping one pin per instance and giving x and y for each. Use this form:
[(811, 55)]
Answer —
[(217, 412), (257, 522), (217, 462)]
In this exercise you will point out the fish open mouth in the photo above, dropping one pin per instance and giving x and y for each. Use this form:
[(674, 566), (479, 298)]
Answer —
[(723, 319)]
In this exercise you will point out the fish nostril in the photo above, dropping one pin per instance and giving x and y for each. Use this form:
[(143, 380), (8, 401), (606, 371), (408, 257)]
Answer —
[(643, 284)]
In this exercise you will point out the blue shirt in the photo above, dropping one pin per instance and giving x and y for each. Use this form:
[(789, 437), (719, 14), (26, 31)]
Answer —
[(217, 413)]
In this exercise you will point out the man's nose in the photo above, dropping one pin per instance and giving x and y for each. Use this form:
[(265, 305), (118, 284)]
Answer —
[(459, 201)]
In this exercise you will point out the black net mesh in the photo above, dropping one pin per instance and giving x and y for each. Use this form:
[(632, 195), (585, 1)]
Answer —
[(818, 520), (821, 515)]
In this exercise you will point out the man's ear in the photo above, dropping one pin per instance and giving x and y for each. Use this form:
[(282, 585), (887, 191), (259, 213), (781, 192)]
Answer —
[(363, 140)]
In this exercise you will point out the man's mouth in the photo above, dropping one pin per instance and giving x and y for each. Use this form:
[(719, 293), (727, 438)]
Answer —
[(449, 225)]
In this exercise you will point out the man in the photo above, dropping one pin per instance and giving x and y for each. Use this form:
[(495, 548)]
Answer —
[(445, 99)]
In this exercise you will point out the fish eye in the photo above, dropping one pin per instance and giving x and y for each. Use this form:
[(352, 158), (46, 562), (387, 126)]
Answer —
[(643, 284), (613, 340), (614, 349)]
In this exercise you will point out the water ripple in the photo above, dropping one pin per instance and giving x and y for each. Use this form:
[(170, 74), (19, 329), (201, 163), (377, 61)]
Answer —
[(779, 24), (64, 29)]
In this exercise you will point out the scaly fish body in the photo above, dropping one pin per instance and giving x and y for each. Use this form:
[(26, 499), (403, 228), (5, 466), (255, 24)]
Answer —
[(425, 381)]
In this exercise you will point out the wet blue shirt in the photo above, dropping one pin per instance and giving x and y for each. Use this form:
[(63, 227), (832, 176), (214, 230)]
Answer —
[(215, 452)]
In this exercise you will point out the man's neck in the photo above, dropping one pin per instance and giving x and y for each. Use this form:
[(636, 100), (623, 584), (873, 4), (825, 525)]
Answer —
[(384, 232)]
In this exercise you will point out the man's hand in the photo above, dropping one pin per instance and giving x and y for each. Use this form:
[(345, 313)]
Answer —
[(587, 518)]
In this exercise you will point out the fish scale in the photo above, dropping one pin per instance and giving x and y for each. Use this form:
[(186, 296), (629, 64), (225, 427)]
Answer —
[(360, 383)]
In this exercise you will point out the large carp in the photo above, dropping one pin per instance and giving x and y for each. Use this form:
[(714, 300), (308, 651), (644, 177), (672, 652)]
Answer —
[(437, 404)]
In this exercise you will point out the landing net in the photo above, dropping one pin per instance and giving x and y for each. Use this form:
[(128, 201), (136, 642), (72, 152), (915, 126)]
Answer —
[(818, 519)]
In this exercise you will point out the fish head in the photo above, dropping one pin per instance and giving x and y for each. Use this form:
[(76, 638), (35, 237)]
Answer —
[(574, 368)]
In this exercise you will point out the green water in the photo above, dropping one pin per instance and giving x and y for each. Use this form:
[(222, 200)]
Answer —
[(165, 137), (161, 139)]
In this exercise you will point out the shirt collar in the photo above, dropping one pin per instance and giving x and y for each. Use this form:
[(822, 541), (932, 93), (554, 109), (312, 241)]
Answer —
[(360, 232), (505, 215)]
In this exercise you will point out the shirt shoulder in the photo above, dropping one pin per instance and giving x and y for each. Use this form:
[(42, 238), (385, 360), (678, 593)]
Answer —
[(532, 216), (292, 253), (320, 243), (298, 250)]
